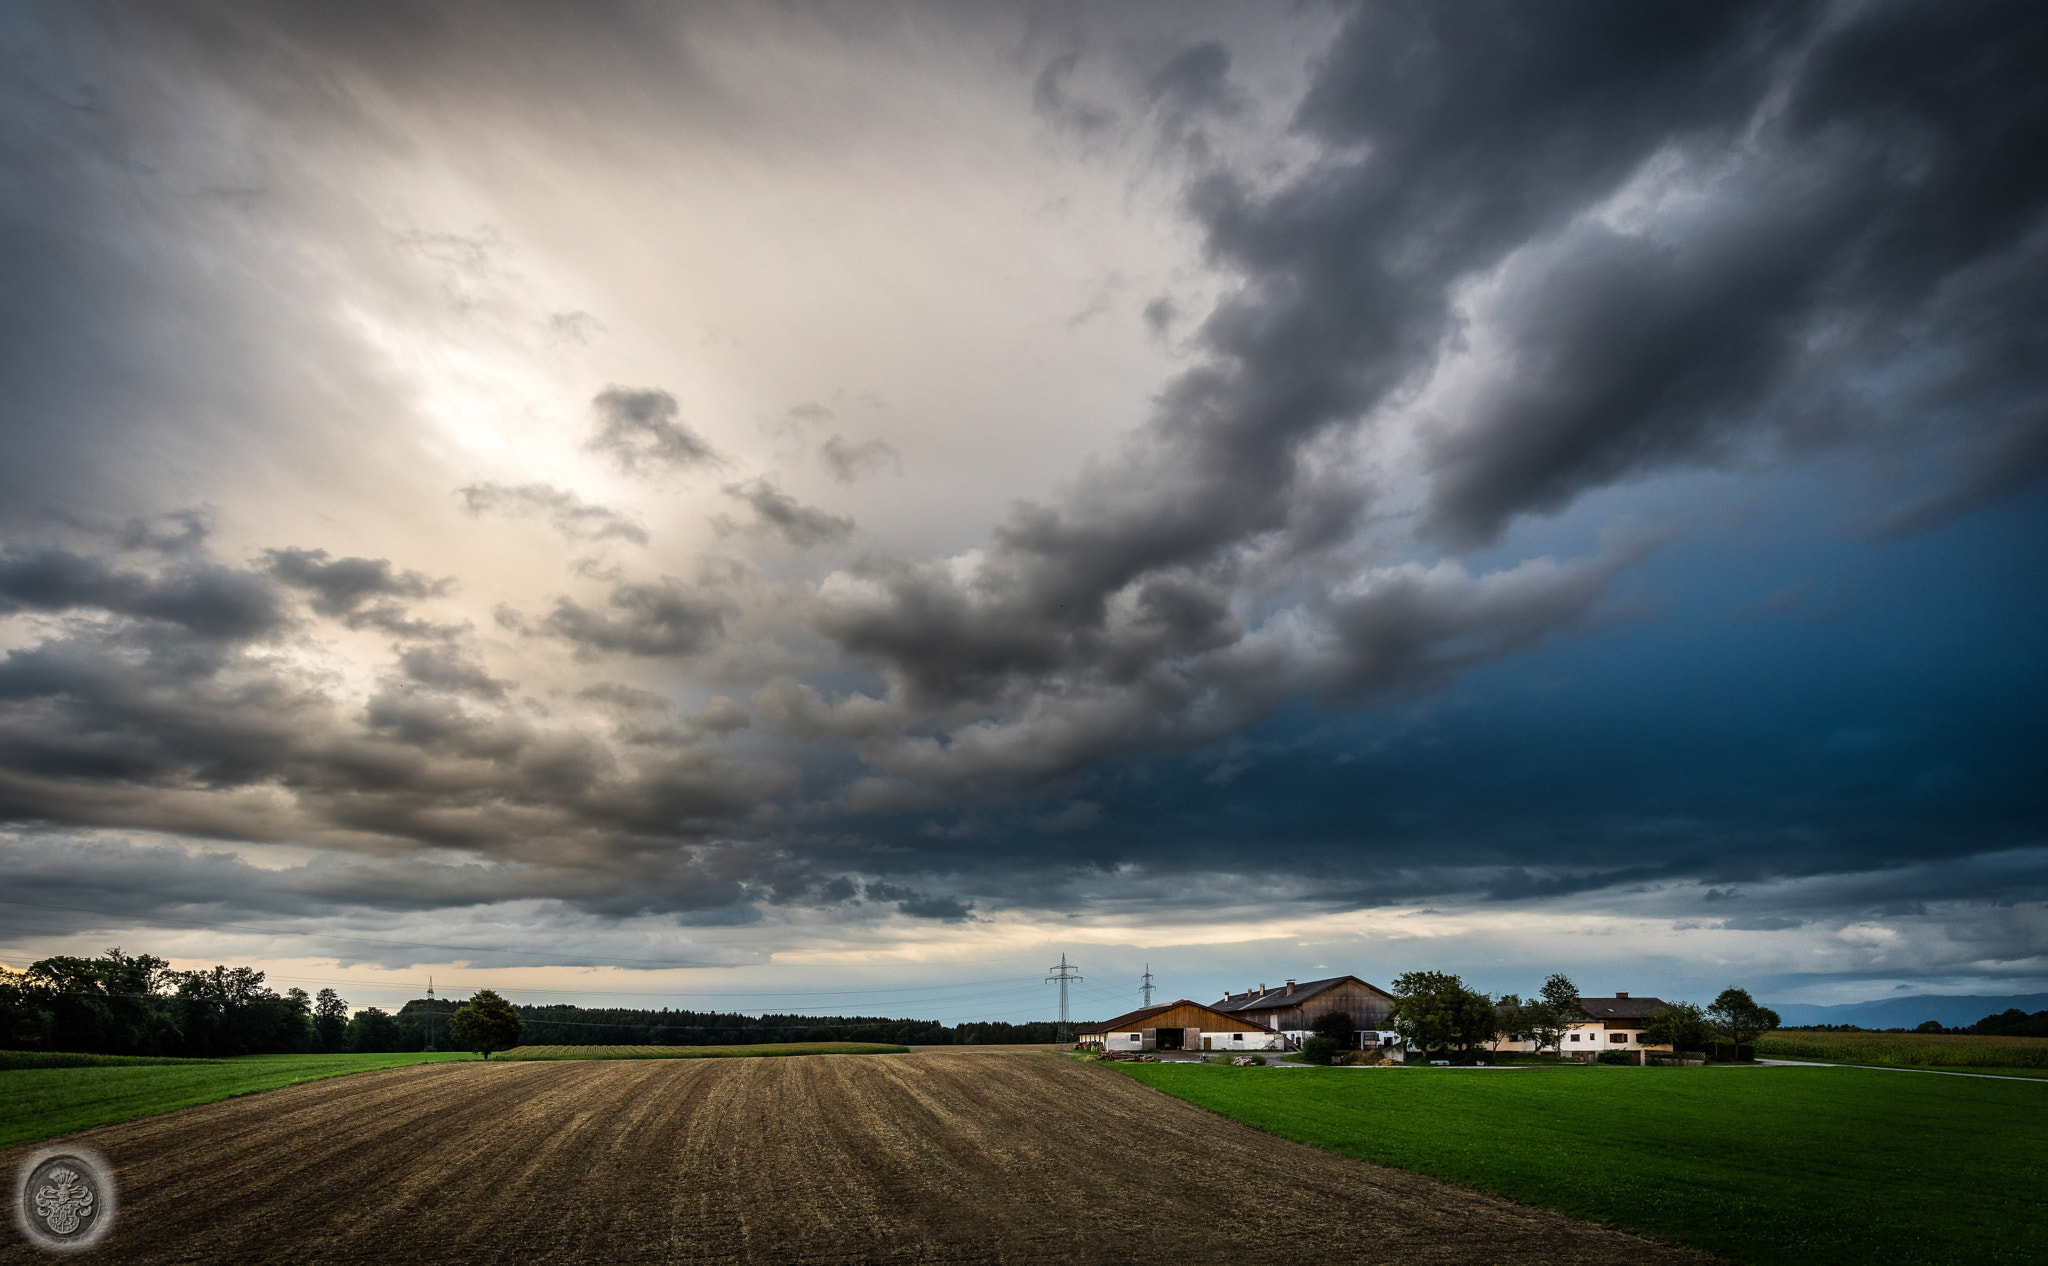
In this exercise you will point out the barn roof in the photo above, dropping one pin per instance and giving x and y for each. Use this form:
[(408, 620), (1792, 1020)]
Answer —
[(1136, 1019), (1292, 996)]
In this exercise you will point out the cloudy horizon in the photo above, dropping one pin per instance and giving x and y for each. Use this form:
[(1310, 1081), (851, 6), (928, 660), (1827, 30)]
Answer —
[(775, 502)]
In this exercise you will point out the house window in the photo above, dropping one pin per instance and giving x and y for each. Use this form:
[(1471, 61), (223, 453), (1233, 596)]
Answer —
[(1137, 1037), (1617, 1037), (1237, 1037), (1575, 1037)]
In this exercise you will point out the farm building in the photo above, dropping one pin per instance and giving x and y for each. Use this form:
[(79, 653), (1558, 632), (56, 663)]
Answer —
[(1181, 1026), (1293, 1010), (1613, 1024)]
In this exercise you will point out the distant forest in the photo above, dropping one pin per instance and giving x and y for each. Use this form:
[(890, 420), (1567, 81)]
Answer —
[(122, 1004)]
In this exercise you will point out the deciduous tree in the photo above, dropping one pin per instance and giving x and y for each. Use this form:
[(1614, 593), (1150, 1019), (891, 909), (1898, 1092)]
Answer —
[(1679, 1025), (486, 1023), (1736, 1016), (330, 1020), (1434, 1010), (373, 1029)]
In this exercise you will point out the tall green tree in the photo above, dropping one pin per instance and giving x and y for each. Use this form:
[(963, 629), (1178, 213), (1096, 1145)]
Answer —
[(330, 1020), (1546, 1018), (373, 1029), (1681, 1026), (25, 1023), (486, 1023), (109, 1004), (1735, 1015), (1434, 1010)]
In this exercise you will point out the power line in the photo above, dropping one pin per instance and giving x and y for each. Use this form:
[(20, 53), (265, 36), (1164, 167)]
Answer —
[(1063, 974)]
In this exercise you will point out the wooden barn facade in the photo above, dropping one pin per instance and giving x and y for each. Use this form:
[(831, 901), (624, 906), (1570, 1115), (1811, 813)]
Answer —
[(1294, 1009), (1181, 1026)]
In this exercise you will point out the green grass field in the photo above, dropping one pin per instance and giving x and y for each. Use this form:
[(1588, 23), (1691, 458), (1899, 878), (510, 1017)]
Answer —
[(1909, 1050), (10, 1060), (1801, 1166), (39, 1103), (703, 1052)]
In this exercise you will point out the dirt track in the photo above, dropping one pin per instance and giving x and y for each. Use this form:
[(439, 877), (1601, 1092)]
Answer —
[(924, 1158)]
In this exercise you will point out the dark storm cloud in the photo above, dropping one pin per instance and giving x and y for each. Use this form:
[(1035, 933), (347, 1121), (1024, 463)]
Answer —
[(210, 600), (569, 514), (1841, 181), (1582, 243), (779, 514), (341, 586), (1160, 314), (642, 430), (1191, 87), (664, 619), (446, 668)]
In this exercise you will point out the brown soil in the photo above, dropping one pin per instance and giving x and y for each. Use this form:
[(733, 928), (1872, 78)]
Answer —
[(907, 1158)]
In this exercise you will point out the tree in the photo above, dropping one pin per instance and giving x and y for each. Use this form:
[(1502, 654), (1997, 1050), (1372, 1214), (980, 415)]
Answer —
[(25, 1024), (330, 1020), (1546, 1018), (373, 1029), (1562, 995), (2012, 1022), (486, 1023), (1682, 1026), (1336, 1025), (1434, 1010), (1736, 1016)]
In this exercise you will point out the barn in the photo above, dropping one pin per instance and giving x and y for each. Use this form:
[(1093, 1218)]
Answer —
[(1181, 1026), (1293, 1010)]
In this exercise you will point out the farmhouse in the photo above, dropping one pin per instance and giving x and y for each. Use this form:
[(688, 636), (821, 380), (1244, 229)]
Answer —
[(1293, 1010), (1613, 1024), (1181, 1026)]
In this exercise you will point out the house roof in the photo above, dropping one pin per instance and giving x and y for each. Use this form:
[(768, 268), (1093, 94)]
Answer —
[(1621, 1007), (1293, 996), (1136, 1019)]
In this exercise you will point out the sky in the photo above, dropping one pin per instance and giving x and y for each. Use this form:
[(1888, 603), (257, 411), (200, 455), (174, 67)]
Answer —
[(834, 506)]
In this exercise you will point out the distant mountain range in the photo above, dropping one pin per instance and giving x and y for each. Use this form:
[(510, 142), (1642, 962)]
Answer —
[(1952, 1009)]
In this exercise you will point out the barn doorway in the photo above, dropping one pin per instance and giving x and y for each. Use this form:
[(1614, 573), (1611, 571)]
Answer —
[(1170, 1040)]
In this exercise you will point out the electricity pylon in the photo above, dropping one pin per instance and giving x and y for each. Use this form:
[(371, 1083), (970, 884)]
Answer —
[(1063, 974), (1146, 988), (430, 1013)]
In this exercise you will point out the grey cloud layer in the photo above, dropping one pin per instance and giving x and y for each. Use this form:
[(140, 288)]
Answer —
[(1567, 246)]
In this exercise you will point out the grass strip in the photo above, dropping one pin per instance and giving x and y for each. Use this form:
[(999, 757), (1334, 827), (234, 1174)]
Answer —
[(41, 1103), (11, 1060), (1769, 1165), (703, 1052)]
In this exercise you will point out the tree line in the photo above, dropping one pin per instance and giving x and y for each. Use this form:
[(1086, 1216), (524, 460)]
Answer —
[(120, 1004), (2011, 1022)]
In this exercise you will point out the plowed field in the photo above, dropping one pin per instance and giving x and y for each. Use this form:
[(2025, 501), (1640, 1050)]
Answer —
[(907, 1158)]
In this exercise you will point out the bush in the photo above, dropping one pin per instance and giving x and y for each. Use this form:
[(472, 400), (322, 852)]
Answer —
[(1616, 1057), (1320, 1049), (1334, 1024)]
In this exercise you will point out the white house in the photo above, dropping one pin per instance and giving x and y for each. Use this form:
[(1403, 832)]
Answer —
[(1612, 1024)]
